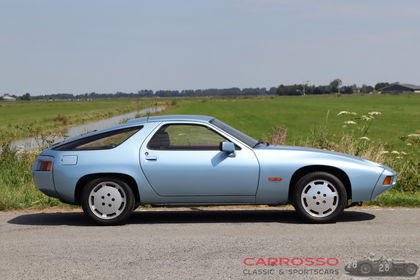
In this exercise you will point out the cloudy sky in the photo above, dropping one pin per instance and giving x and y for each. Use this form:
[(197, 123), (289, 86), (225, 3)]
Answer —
[(49, 46)]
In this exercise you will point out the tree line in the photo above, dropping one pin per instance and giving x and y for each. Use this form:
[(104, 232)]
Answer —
[(334, 87), (165, 93)]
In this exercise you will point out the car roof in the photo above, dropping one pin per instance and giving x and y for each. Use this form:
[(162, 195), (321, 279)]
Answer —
[(171, 118)]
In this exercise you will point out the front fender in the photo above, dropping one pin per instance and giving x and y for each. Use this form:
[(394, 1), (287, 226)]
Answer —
[(363, 175)]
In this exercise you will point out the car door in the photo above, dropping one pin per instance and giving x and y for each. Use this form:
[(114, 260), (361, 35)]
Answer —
[(183, 159)]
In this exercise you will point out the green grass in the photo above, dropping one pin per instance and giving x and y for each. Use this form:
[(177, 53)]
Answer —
[(16, 185), (25, 119), (397, 198)]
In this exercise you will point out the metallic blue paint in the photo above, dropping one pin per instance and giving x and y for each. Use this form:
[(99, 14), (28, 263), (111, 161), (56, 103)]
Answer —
[(202, 177)]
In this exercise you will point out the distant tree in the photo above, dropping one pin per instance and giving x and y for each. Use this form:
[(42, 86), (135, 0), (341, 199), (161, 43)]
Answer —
[(26, 96), (322, 90), (355, 88), (272, 90), (290, 89), (281, 90), (366, 89), (347, 89), (380, 85), (335, 84)]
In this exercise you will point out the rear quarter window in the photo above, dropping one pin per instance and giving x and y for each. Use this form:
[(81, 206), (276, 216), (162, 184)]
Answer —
[(103, 141)]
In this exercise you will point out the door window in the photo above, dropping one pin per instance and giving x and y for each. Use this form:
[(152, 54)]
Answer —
[(185, 137)]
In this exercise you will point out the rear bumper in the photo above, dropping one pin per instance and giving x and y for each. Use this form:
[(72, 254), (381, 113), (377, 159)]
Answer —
[(44, 180)]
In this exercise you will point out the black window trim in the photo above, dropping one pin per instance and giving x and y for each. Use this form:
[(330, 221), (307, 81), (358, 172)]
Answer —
[(237, 148), (69, 146), (235, 133)]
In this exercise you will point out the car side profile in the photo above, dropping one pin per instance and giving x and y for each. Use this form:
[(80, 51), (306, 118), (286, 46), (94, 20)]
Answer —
[(198, 160)]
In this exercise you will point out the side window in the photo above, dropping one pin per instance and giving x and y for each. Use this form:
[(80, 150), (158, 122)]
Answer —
[(103, 141), (185, 137)]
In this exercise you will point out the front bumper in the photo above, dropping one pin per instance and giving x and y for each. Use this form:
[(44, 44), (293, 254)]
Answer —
[(380, 187)]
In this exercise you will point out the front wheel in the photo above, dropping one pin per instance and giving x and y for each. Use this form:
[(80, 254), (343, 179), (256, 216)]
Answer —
[(319, 197), (108, 201), (411, 269)]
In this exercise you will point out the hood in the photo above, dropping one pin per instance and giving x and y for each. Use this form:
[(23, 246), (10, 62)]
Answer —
[(319, 151)]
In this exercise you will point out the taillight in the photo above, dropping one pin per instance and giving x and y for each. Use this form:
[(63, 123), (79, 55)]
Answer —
[(388, 180), (44, 165)]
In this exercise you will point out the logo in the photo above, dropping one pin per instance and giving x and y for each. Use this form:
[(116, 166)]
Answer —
[(371, 266), (290, 267), (291, 261)]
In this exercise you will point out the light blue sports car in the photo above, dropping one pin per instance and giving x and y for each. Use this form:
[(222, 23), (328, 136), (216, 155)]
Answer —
[(199, 160)]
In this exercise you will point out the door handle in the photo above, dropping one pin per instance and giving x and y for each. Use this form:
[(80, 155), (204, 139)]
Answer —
[(149, 157)]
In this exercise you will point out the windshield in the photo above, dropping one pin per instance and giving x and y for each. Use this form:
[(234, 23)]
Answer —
[(235, 133)]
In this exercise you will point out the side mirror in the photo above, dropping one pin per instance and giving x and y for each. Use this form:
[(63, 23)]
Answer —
[(227, 147)]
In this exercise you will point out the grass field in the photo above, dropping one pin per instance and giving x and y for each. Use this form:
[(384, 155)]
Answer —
[(26, 119), (304, 118)]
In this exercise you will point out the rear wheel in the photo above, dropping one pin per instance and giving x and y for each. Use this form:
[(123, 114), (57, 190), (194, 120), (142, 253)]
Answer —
[(365, 269), (108, 201), (319, 197)]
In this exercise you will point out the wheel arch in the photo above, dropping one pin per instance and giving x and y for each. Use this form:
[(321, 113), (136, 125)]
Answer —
[(340, 174), (86, 178)]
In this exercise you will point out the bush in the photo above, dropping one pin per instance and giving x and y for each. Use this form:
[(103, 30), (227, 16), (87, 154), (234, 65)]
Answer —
[(353, 141), (64, 120), (16, 185)]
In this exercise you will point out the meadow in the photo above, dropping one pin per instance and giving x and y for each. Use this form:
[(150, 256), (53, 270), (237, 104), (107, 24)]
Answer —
[(389, 134), (32, 118)]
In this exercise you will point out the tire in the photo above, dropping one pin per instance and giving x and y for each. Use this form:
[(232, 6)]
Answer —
[(319, 197), (411, 269), (108, 201), (365, 269)]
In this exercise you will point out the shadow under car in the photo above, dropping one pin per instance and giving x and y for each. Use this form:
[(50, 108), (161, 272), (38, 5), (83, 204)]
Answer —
[(185, 216)]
